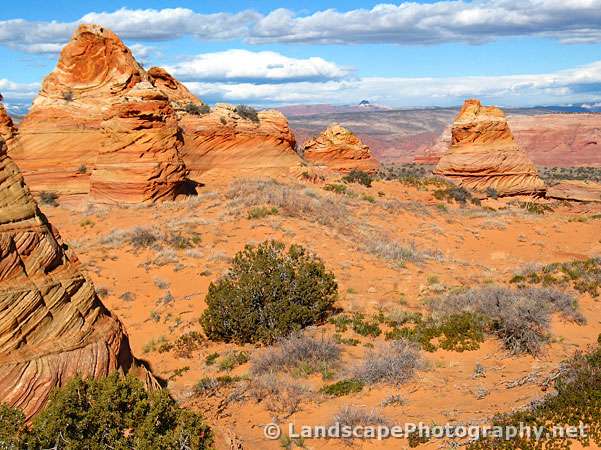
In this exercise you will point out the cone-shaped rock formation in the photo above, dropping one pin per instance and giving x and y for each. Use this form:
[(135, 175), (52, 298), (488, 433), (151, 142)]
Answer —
[(68, 127), (340, 150), (53, 326), (483, 154)]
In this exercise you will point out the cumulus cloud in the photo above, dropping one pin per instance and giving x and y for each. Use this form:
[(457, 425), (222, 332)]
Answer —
[(568, 86), (259, 67), (570, 21), (18, 91)]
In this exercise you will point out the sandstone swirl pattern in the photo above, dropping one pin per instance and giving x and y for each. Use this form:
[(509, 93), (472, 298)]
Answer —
[(340, 150), (52, 324), (483, 154), (69, 124)]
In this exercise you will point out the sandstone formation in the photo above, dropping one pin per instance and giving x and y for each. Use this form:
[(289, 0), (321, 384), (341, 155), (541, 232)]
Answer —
[(576, 190), (53, 326), (68, 126), (483, 154), (139, 160), (340, 150), (180, 97), (227, 142), (8, 130)]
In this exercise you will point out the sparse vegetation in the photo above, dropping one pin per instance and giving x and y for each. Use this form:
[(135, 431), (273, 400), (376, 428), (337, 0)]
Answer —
[(299, 354), (188, 343), (232, 359), (358, 176), (82, 169), (456, 194), (394, 362), (416, 175), (68, 96), (268, 293), (247, 112), (583, 276), (196, 109), (260, 212), (555, 174), (343, 387), (576, 401), (112, 412), (520, 318), (49, 198), (535, 207)]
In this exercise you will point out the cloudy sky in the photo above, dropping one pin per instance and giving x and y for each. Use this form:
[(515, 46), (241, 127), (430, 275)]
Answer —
[(426, 53)]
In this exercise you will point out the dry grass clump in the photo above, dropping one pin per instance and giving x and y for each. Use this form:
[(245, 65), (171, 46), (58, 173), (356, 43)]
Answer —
[(380, 244), (520, 318), (352, 417), (394, 362), (277, 395), (301, 353), (290, 200)]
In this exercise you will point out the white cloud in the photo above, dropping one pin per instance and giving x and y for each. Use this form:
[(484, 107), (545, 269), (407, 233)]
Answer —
[(18, 91), (568, 86), (570, 21), (265, 66)]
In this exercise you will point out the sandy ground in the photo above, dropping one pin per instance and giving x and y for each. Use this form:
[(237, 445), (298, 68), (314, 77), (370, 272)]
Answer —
[(475, 245)]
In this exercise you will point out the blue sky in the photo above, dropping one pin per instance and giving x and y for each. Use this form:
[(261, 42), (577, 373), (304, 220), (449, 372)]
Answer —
[(516, 53)]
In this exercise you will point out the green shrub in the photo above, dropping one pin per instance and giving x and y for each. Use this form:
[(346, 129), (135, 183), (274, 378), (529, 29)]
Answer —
[(492, 192), (49, 198), (211, 359), (112, 412), (232, 360), (247, 112), (260, 212), (13, 431), (535, 208), (336, 188), (365, 327), (343, 387), (268, 293), (358, 176), (457, 194), (197, 110)]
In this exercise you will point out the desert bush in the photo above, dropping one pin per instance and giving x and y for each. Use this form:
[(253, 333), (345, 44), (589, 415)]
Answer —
[(343, 387), (68, 96), (394, 362), (260, 212), (520, 318), (197, 110), (298, 352), (575, 401), (49, 198), (457, 194), (349, 417), (383, 246), (278, 396), (492, 192), (416, 175), (358, 176), (365, 327), (534, 207), (210, 384), (268, 293), (82, 169), (143, 237), (112, 412), (188, 343), (337, 188), (232, 359), (13, 429), (247, 112), (583, 276)]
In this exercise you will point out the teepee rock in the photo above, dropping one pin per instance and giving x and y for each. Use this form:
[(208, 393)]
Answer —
[(484, 154), (53, 326)]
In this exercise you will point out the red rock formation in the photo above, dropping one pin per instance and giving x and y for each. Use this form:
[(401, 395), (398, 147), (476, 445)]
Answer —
[(53, 326), (575, 190), (340, 150), (179, 95), (483, 154), (223, 140), (66, 130), (556, 140), (8, 130), (139, 159)]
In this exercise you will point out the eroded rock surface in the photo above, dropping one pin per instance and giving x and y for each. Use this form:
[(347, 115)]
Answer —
[(340, 150), (53, 326), (484, 154)]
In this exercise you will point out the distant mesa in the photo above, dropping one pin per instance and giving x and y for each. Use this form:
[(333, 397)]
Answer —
[(484, 154), (340, 150), (53, 326)]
